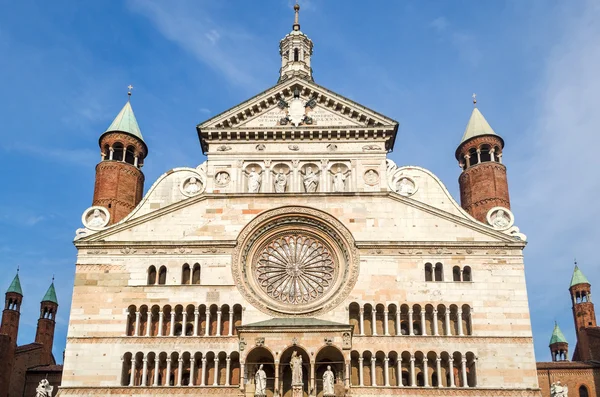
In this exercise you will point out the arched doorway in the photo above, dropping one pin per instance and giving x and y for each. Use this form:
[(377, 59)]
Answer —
[(285, 371), (256, 357), (329, 356)]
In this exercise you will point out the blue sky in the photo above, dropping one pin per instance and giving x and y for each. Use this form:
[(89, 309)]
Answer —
[(65, 66)]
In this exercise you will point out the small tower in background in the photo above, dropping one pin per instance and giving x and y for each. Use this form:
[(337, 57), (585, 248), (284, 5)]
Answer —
[(295, 50), (9, 330), (47, 322), (119, 179), (584, 314), (559, 348), (483, 183)]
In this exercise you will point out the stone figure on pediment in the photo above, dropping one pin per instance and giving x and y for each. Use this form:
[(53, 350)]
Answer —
[(296, 364), (43, 389), (310, 180), (192, 186), (339, 180), (97, 220), (254, 180), (260, 382), (280, 182), (328, 382)]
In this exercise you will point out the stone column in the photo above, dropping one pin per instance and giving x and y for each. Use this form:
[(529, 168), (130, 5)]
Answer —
[(230, 322), (160, 323), (132, 374), (475, 363), (451, 369), (386, 373), (373, 378), (218, 323), (425, 372), (124, 153), (172, 330), (156, 369), (447, 322), (145, 372), (135, 160), (374, 321), (184, 324), (312, 378), (180, 371), (398, 330), (149, 324), (411, 330), (276, 391), (385, 323), (196, 321), (168, 380), (111, 154), (399, 371), (361, 377), (478, 156), (412, 371), (435, 323), (362, 321), (423, 323), (468, 160), (492, 151), (127, 315), (207, 314), (464, 372), (136, 331), (347, 375), (203, 372), (470, 322), (216, 380), (192, 369), (460, 327), (227, 368), (438, 370), (242, 376)]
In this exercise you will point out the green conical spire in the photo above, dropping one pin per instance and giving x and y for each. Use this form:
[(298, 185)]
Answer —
[(477, 126), (15, 286), (557, 335), (50, 295), (126, 122), (578, 277)]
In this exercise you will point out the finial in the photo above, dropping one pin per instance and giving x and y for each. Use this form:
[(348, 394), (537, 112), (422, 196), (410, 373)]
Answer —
[(474, 96), (18, 269), (575, 261), (296, 25), (129, 88), (53, 279)]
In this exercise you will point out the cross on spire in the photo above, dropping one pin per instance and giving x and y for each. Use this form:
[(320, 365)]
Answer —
[(474, 96), (129, 88)]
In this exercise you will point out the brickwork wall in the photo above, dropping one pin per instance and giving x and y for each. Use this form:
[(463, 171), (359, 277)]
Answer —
[(119, 188), (45, 336), (7, 351), (22, 362), (482, 187), (573, 378)]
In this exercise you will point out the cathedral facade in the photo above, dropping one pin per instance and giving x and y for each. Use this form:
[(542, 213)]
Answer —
[(299, 260)]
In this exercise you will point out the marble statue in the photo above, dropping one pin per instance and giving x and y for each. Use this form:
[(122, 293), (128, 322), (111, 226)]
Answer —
[(296, 364), (405, 187), (339, 180), (280, 182), (97, 219), (558, 390), (222, 179), (260, 382), (328, 382), (192, 187), (500, 221), (254, 181), (43, 389), (311, 180)]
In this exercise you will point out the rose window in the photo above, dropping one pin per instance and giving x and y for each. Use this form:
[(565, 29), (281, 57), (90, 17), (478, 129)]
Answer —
[(295, 269)]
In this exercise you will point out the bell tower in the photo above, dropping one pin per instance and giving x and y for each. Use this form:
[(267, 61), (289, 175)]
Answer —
[(119, 179), (47, 322), (559, 348), (9, 330), (584, 314), (295, 50), (483, 183)]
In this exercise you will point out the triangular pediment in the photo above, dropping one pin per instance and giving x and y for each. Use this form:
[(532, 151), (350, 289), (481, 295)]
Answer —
[(286, 103)]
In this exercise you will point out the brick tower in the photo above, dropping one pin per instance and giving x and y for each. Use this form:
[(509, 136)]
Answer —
[(9, 331), (46, 323), (483, 183), (559, 347), (119, 178), (584, 314)]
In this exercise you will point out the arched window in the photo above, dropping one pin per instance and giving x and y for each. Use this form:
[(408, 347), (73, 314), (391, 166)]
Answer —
[(151, 275), (485, 154), (126, 371), (196, 274), (106, 152), (162, 275), (456, 273), (118, 151), (497, 153), (129, 155), (439, 272), (296, 55), (428, 272), (185, 274), (583, 391), (467, 274), (473, 156)]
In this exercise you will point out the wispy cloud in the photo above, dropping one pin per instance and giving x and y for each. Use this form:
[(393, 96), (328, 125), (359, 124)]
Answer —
[(222, 45), (464, 43), (76, 156)]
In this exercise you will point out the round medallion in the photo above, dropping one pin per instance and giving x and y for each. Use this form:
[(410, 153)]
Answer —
[(295, 261), (405, 186), (371, 177), (295, 268), (500, 218), (95, 218), (192, 186), (222, 179)]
